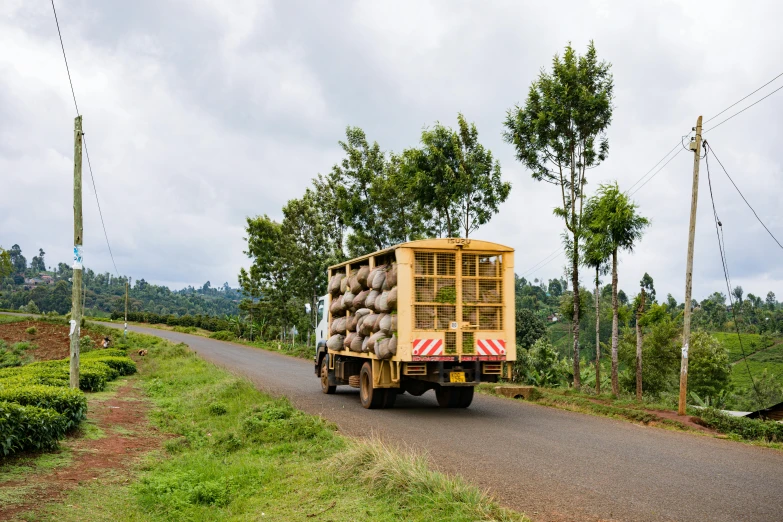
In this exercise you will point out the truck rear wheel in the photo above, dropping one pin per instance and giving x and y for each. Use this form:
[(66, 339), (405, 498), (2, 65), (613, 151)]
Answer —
[(325, 388), (372, 398)]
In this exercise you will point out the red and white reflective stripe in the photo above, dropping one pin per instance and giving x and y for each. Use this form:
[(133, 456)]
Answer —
[(427, 347), (491, 347)]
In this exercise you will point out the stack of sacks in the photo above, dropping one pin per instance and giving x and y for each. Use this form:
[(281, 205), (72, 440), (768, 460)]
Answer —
[(364, 311)]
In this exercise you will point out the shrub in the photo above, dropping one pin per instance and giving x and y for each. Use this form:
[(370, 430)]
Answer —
[(217, 408), (123, 365), (105, 352), (280, 422), (709, 369), (749, 429), (13, 356), (223, 335), (86, 344), (541, 366), (70, 403), (29, 428), (32, 330)]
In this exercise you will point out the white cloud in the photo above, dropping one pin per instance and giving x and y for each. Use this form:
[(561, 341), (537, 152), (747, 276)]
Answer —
[(200, 113)]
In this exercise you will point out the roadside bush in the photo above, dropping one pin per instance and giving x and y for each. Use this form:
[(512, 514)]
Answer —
[(86, 344), (224, 335), (279, 422), (123, 365), (709, 369), (105, 352), (540, 366), (29, 428), (13, 355), (186, 329), (217, 408), (749, 429), (70, 403), (32, 330)]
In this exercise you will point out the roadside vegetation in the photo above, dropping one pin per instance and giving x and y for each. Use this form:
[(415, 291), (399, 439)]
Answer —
[(232, 452)]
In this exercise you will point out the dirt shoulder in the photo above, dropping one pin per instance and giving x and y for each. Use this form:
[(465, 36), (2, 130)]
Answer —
[(116, 434)]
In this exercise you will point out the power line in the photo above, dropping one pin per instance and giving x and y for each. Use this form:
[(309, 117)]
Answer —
[(744, 98), (87, 152), (743, 110), (745, 200), (539, 265), (653, 167), (722, 249), (656, 173)]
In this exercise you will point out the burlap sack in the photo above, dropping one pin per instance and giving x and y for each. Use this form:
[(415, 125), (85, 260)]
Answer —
[(365, 342), (385, 324), (348, 340), (343, 285), (334, 284), (370, 301), (377, 336), (391, 299), (352, 322), (391, 277), (359, 300), (376, 327), (337, 308), (335, 342), (361, 312), (379, 279), (393, 345), (353, 286), (356, 344), (382, 303), (361, 276), (382, 349), (366, 324), (338, 326), (348, 299)]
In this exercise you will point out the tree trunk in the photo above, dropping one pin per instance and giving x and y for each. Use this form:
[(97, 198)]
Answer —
[(597, 338), (639, 348), (575, 283), (615, 324)]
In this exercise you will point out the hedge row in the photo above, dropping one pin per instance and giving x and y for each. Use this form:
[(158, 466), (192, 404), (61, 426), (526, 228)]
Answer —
[(749, 429), (37, 407), (206, 322), (70, 403), (29, 428)]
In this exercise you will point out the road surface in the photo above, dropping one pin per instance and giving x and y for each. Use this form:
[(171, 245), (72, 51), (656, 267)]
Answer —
[(548, 463)]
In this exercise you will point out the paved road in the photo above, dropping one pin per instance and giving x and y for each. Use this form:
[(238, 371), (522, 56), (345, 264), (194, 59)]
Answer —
[(551, 464)]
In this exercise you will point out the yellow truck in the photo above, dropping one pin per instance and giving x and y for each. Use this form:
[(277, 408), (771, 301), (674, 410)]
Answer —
[(435, 314)]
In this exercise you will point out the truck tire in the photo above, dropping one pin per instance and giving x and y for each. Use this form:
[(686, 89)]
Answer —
[(325, 388), (372, 398)]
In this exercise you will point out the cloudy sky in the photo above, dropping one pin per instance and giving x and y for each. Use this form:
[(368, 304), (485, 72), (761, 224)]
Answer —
[(199, 113)]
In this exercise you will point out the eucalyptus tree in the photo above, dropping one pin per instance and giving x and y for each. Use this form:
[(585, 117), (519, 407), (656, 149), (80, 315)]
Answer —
[(616, 215), (560, 133), (457, 177), (596, 252)]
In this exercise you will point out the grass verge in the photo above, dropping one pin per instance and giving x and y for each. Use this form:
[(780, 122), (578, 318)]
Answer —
[(238, 454)]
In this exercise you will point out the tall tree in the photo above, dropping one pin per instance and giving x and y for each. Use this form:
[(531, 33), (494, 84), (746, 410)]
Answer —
[(372, 197), (738, 292), (771, 300), (560, 133), (310, 254), (6, 266), (457, 177), (596, 251), (17, 259), (617, 216)]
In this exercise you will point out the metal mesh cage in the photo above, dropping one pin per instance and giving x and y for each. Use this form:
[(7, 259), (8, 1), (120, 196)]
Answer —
[(482, 291), (468, 346), (435, 290), (451, 343)]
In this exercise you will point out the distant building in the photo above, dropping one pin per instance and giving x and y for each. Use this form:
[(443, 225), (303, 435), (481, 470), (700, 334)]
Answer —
[(47, 279), (32, 282), (774, 413)]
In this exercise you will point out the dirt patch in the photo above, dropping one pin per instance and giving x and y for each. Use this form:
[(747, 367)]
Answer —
[(127, 436), (51, 340)]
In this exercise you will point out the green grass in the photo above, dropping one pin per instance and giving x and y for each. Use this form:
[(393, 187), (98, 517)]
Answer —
[(238, 454), (5, 319), (739, 372)]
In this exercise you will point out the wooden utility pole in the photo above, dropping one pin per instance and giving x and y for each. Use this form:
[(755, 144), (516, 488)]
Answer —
[(686, 329), (76, 303), (125, 331)]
